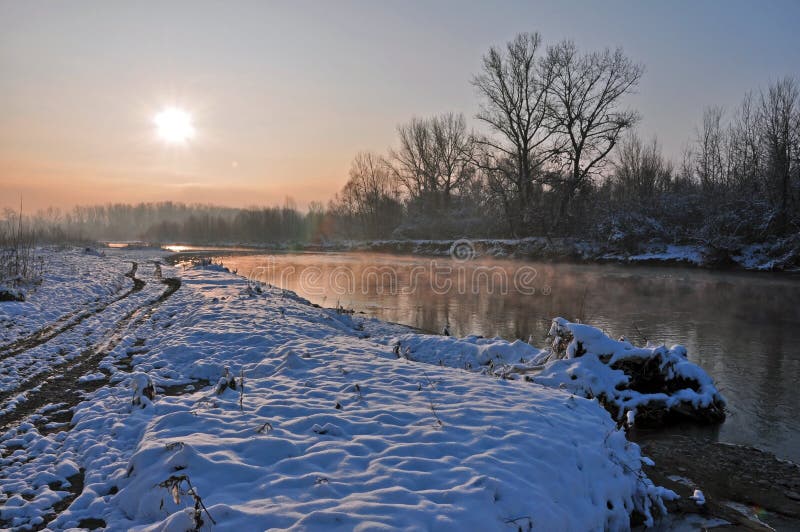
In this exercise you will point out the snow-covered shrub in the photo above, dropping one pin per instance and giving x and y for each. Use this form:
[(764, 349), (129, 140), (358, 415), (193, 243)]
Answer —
[(743, 220), (144, 391), (9, 293), (784, 253), (656, 384), (209, 263), (227, 380), (627, 229), (179, 486), (453, 221)]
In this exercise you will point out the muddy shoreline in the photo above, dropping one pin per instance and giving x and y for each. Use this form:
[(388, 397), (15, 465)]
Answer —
[(747, 487)]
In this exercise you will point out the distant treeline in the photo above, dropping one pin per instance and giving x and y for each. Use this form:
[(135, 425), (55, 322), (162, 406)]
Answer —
[(557, 155), (168, 221)]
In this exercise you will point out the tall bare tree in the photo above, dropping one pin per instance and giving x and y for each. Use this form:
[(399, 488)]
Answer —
[(710, 143), (414, 161), (744, 146), (514, 84), (780, 133), (455, 149), (370, 196), (586, 103), (435, 157), (640, 170)]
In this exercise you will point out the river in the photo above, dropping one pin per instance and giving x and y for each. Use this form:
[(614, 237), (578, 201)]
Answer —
[(742, 327)]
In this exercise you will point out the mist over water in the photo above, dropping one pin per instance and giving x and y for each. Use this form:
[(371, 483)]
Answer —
[(743, 328)]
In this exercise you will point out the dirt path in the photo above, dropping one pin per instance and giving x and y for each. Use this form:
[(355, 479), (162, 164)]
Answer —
[(61, 386), (60, 383), (68, 321)]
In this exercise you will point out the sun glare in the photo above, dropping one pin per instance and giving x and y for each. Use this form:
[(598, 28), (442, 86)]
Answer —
[(174, 125)]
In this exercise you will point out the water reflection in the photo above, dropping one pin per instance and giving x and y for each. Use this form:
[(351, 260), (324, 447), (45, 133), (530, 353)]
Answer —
[(744, 328)]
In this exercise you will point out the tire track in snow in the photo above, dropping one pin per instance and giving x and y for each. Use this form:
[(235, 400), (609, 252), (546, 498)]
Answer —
[(67, 322), (60, 384)]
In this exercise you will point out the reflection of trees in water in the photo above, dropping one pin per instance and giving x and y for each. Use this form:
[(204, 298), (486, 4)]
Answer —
[(664, 304), (776, 393)]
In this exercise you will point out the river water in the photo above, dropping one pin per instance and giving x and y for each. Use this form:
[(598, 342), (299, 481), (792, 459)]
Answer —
[(742, 327)]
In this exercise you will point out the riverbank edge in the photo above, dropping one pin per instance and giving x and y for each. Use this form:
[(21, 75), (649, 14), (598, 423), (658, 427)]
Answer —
[(680, 467), (750, 488), (781, 255)]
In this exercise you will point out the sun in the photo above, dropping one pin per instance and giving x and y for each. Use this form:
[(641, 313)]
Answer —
[(174, 125)]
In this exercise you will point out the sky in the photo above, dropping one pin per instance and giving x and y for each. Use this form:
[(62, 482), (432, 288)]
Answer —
[(284, 94)]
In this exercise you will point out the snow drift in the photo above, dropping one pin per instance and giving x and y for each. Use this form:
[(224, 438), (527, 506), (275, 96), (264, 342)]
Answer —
[(652, 385)]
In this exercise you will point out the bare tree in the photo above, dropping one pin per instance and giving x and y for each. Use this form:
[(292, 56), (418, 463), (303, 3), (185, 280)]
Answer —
[(455, 149), (369, 197), (435, 157), (514, 84), (414, 160), (585, 102), (744, 146), (710, 149), (640, 171), (780, 133)]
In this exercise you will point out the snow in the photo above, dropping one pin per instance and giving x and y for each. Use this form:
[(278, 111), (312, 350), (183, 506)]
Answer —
[(332, 430), (143, 389), (667, 253), (698, 497), (590, 366), (468, 352), (91, 377), (73, 281), (588, 370), (778, 255), (75, 323)]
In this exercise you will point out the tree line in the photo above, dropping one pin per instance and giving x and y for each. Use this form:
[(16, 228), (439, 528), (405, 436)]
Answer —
[(166, 222), (551, 115), (556, 154), (559, 156)]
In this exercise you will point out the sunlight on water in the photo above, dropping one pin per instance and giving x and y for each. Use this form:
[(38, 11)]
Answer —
[(177, 249)]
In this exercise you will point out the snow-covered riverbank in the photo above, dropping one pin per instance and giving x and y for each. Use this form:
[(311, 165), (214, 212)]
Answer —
[(333, 429), (776, 255)]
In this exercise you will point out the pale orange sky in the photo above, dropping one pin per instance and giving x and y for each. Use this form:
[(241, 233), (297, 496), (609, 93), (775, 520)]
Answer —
[(284, 94)]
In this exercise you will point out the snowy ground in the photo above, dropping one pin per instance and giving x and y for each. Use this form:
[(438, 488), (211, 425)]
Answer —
[(669, 253), (74, 280), (334, 430)]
